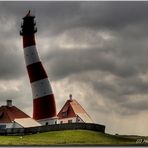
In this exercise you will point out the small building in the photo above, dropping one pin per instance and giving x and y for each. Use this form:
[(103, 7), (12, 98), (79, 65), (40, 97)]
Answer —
[(73, 112), (12, 117)]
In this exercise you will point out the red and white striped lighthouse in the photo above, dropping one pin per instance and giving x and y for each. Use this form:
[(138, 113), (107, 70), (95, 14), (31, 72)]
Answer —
[(44, 108)]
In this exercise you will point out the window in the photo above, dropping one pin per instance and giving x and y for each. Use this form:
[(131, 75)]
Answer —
[(69, 121), (61, 122), (2, 126), (55, 122), (64, 114), (46, 123), (1, 114)]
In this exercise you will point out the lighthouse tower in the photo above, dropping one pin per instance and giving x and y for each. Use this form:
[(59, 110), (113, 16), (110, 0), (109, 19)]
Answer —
[(44, 108)]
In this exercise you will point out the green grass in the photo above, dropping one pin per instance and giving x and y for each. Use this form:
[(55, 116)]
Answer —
[(68, 137)]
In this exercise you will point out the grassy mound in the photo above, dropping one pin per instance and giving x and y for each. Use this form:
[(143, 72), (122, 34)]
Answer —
[(68, 137)]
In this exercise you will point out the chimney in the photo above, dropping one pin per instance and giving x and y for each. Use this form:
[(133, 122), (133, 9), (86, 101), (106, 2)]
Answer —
[(9, 103), (70, 97)]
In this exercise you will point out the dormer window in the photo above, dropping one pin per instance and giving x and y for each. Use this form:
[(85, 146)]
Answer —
[(64, 114), (65, 111)]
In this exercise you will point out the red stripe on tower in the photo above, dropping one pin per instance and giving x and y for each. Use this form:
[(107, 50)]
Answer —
[(43, 104), (43, 99), (33, 70)]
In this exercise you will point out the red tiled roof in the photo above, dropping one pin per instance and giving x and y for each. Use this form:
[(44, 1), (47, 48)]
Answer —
[(77, 107), (8, 114), (72, 107)]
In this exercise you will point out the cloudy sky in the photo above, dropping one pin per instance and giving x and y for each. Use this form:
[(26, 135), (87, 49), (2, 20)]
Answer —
[(97, 51)]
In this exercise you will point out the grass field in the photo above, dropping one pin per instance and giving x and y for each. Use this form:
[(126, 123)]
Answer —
[(69, 137)]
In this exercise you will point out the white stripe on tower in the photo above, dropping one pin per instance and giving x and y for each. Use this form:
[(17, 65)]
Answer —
[(41, 88), (31, 55), (43, 98)]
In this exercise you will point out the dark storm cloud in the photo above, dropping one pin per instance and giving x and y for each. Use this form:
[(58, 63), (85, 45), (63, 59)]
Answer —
[(61, 16), (120, 92), (114, 37), (11, 64), (65, 63)]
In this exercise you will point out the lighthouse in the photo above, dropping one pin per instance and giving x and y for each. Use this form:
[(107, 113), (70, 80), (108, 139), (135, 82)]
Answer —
[(44, 108)]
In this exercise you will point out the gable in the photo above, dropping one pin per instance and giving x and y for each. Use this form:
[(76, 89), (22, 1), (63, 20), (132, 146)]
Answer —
[(66, 111)]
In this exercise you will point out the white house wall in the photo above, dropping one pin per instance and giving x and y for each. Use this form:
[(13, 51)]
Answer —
[(65, 120), (78, 119), (16, 125), (11, 125), (48, 121)]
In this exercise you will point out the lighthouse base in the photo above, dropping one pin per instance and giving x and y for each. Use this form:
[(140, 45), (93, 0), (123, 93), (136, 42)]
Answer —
[(48, 121)]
